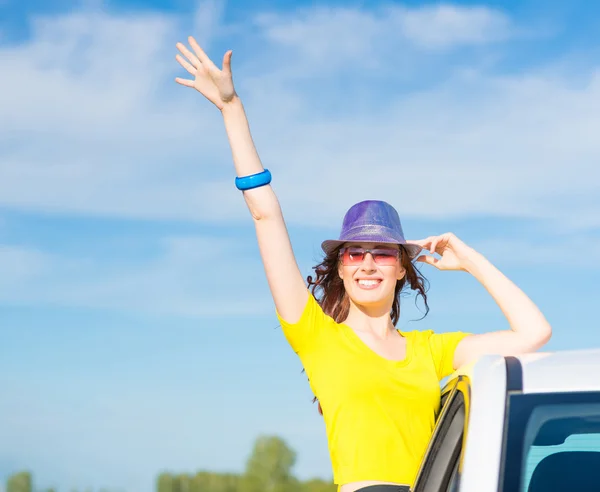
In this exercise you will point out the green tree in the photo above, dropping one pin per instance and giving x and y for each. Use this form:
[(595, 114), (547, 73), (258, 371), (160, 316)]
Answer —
[(19, 482), (269, 467), (182, 483), (318, 485), (205, 481), (164, 483), (228, 482)]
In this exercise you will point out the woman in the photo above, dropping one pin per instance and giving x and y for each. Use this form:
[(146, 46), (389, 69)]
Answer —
[(378, 387)]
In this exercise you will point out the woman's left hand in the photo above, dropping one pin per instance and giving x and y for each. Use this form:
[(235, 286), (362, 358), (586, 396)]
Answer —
[(454, 254)]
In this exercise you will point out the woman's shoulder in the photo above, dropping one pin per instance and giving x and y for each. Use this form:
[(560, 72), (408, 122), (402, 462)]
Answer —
[(313, 325), (417, 335), (437, 341), (426, 335)]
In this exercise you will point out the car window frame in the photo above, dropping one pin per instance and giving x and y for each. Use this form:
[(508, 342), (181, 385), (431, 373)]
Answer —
[(519, 408), (435, 476)]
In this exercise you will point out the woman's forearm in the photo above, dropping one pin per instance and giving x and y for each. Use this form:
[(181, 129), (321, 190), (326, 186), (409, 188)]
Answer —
[(245, 156), (261, 201), (524, 317)]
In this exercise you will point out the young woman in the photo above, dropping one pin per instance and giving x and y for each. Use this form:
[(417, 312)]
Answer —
[(378, 387)]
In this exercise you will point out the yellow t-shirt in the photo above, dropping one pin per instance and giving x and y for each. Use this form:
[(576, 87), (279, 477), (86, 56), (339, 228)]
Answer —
[(379, 414)]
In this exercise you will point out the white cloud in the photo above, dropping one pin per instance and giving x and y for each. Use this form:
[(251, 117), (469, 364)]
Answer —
[(575, 251), (191, 278), (324, 35), (87, 129), (19, 265), (444, 26), (83, 74), (331, 34), (515, 148), (207, 21), (91, 128)]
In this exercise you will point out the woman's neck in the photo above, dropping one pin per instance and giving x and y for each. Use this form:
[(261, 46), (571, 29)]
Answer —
[(371, 319)]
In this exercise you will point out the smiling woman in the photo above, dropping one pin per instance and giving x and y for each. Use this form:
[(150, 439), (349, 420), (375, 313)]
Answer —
[(378, 387), (343, 255)]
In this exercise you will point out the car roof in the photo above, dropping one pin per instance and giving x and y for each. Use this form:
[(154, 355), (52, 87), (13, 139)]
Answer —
[(561, 371), (545, 372)]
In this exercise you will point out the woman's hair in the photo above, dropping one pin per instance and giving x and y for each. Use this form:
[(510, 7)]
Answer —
[(329, 291)]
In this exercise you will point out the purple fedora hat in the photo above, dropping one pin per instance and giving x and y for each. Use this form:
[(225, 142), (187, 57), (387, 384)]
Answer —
[(371, 221)]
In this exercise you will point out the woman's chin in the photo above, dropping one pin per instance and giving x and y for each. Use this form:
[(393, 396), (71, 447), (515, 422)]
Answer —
[(369, 297)]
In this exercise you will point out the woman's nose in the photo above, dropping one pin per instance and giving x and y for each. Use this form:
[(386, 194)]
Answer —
[(368, 262)]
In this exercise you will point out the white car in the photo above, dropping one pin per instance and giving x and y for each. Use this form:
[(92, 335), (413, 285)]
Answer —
[(518, 424)]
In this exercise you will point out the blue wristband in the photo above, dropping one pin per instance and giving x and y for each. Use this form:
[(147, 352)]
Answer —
[(253, 181)]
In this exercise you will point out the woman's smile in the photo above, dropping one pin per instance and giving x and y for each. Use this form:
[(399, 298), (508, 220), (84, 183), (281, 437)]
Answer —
[(368, 283)]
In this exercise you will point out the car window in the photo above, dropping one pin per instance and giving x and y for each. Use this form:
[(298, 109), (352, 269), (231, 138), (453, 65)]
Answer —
[(553, 443), (453, 483), (575, 443), (439, 468)]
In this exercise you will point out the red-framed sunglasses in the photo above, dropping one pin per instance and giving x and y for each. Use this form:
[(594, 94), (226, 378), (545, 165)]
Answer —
[(354, 256)]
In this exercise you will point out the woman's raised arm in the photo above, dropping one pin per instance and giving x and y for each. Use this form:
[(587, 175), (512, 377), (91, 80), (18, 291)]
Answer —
[(283, 275), (529, 329)]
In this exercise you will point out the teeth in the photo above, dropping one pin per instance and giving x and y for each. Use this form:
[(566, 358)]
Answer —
[(368, 282)]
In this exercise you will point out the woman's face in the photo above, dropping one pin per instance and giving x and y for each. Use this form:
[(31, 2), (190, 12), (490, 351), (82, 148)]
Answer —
[(370, 272)]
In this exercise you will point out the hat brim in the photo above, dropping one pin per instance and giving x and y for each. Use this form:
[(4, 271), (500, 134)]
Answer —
[(331, 244)]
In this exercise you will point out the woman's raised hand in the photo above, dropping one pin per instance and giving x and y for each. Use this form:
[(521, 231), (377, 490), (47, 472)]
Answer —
[(213, 83), (455, 255)]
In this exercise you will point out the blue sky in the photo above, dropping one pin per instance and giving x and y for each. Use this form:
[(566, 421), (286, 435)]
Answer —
[(137, 329)]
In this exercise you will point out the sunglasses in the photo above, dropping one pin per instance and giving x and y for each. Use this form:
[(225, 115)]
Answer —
[(354, 256)]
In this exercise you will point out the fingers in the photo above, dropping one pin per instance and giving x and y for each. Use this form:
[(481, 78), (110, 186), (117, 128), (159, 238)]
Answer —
[(189, 55), (185, 64), (430, 260), (227, 62), (424, 243), (444, 242), (434, 244), (203, 57), (186, 82), (418, 242)]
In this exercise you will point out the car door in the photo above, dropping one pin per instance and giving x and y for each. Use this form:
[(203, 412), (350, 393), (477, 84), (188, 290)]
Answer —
[(440, 468)]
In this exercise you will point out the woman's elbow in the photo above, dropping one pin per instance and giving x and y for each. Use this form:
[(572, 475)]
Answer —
[(543, 336), (547, 333)]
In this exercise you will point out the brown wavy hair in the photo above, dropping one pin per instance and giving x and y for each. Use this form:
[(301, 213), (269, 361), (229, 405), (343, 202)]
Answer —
[(329, 291)]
